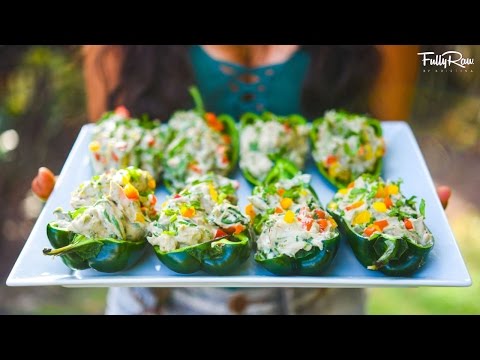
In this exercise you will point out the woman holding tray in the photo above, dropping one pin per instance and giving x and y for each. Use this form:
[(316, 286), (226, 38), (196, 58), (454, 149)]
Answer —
[(235, 79)]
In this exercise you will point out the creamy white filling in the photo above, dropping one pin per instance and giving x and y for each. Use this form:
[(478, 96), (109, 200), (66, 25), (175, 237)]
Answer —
[(112, 216), (332, 137), (279, 237), (201, 145), (123, 145), (395, 227), (174, 231), (259, 139)]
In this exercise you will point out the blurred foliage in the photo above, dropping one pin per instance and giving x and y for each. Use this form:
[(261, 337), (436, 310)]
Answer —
[(42, 103), (42, 100)]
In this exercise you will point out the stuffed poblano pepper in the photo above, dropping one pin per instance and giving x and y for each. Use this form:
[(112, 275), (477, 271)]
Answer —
[(119, 141), (266, 137), (295, 235), (202, 228), (106, 230), (384, 228), (347, 145), (199, 142)]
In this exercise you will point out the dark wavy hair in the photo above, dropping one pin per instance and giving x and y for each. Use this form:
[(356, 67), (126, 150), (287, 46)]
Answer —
[(154, 79)]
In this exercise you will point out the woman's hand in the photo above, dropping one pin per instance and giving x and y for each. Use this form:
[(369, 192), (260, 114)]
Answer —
[(43, 183)]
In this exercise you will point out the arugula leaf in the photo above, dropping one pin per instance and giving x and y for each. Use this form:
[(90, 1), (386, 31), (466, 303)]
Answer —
[(187, 222), (169, 212), (78, 212), (411, 202), (292, 193), (422, 207), (358, 191), (196, 204), (373, 192), (395, 212), (227, 189), (117, 226), (271, 189)]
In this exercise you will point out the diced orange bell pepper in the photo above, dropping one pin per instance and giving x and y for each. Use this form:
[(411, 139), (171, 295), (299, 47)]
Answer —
[(381, 224), (408, 224), (131, 192), (388, 202), (354, 205), (322, 223)]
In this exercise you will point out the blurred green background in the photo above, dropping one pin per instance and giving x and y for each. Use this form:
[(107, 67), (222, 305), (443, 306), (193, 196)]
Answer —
[(42, 107)]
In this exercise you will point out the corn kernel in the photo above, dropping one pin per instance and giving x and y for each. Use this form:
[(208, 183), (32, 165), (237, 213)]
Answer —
[(362, 217), (343, 191), (303, 192), (289, 217), (94, 146), (379, 206), (286, 203)]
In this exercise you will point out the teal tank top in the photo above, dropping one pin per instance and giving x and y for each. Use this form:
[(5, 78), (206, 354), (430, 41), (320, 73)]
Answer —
[(235, 89)]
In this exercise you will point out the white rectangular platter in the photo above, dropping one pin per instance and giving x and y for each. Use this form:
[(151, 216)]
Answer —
[(444, 267)]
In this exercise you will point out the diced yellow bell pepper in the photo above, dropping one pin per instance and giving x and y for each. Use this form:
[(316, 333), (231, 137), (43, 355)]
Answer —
[(379, 206), (392, 189), (286, 203), (343, 191), (249, 211), (333, 223), (213, 192), (368, 152), (289, 217), (140, 217), (152, 184), (362, 217)]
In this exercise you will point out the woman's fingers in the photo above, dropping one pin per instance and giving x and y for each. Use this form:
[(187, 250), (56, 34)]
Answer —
[(444, 193), (43, 183)]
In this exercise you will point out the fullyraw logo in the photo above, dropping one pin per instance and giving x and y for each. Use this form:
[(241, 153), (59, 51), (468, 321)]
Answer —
[(446, 61)]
